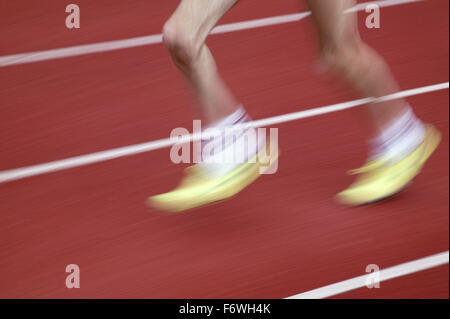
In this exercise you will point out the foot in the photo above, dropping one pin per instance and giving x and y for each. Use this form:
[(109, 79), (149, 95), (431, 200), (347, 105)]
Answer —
[(381, 179), (199, 189)]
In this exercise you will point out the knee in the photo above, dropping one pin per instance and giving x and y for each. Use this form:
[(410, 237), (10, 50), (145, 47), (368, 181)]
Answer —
[(181, 44)]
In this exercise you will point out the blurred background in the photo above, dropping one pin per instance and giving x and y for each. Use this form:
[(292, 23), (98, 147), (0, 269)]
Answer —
[(282, 236)]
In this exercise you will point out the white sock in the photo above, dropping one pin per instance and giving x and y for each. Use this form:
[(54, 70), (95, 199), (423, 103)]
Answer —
[(399, 139), (223, 153)]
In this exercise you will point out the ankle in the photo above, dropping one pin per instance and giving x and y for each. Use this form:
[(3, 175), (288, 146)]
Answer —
[(399, 138)]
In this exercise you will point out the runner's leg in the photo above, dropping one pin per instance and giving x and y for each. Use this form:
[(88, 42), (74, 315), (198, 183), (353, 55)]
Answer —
[(344, 54), (401, 142), (184, 34)]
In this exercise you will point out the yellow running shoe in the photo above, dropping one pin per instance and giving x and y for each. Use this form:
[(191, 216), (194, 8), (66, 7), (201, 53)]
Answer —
[(380, 179), (196, 190)]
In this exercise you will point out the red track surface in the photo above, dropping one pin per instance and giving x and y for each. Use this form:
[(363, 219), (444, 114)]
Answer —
[(281, 236)]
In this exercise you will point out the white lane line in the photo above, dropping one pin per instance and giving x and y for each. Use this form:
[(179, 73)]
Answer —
[(346, 105), (384, 274), (59, 53), (28, 171)]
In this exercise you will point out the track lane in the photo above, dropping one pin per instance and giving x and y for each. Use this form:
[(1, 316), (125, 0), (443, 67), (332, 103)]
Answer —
[(126, 97), (247, 247)]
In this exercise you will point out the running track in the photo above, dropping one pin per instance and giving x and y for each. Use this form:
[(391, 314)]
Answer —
[(282, 236)]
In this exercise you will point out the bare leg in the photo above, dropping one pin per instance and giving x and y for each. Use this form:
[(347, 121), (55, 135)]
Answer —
[(344, 54), (184, 35)]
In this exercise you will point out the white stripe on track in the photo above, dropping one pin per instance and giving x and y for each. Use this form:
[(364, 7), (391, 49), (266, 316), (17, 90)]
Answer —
[(384, 274), (29, 57), (23, 172)]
